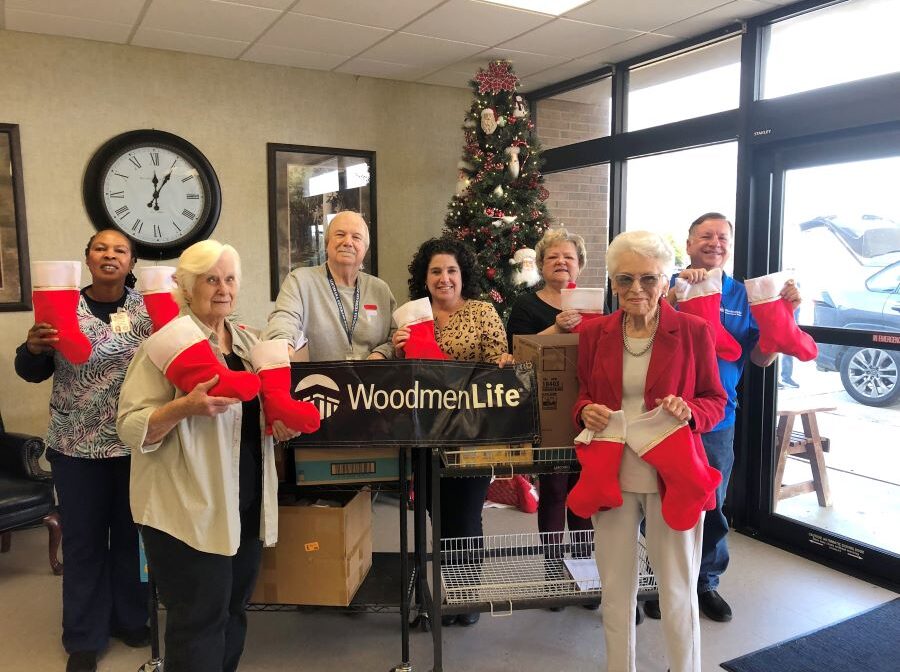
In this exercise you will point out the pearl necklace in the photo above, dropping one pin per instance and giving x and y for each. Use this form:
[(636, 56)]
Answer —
[(649, 342)]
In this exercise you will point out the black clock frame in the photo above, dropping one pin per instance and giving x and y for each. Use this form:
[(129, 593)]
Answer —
[(92, 188)]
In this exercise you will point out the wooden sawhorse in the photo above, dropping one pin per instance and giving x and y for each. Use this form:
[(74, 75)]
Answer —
[(810, 445)]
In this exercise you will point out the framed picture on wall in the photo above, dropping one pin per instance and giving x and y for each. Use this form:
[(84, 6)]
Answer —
[(308, 186), (15, 272)]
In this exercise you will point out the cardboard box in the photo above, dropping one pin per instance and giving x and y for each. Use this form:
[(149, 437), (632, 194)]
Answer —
[(555, 359), (327, 466), (502, 453), (323, 553)]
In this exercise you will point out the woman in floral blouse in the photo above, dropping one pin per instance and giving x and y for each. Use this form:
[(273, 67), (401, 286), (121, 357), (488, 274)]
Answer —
[(467, 330)]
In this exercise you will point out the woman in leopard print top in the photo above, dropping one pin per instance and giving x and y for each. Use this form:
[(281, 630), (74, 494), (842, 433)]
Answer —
[(467, 330)]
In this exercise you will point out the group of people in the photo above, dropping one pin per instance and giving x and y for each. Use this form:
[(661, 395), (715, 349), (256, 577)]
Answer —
[(192, 466)]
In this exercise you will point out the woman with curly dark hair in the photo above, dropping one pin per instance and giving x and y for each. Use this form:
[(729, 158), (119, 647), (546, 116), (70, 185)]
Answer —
[(467, 330)]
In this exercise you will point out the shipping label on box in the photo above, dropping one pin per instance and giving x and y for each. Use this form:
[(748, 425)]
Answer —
[(321, 466), (506, 453), (555, 360)]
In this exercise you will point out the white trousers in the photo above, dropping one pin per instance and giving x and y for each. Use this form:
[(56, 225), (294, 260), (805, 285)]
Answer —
[(675, 558)]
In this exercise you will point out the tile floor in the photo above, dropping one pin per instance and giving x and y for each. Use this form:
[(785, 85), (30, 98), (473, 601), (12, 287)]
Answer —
[(775, 596)]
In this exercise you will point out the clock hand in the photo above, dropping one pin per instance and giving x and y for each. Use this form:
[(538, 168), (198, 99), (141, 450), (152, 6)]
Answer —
[(155, 196)]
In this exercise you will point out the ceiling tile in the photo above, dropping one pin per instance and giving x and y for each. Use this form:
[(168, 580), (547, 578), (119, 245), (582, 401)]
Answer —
[(268, 4), (297, 58), (107, 11), (195, 44), (448, 77), (523, 62), (371, 68), (211, 18), (642, 44), (394, 14), (640, 14), (715, 18), (429, 52), (572, 39), (53, 24), (475, 22), (538, 81), (310, 33)]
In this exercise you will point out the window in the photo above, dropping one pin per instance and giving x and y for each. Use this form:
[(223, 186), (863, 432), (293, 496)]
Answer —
[(576, 115), (666, 192), (579, 201), (836, 44), (699, 82)]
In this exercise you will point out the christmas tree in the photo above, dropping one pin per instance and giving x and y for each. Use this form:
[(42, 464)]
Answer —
[(499, 207)]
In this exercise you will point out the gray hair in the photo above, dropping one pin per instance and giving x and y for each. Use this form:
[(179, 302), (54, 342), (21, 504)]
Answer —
[(347, 214), (197, 260), (554, 237), (645, 243)]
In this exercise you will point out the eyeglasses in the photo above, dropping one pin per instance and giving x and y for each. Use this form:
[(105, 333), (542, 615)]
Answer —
[(647, 282)]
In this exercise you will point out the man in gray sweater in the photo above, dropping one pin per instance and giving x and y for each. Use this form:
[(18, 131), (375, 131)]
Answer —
[(339, 311)]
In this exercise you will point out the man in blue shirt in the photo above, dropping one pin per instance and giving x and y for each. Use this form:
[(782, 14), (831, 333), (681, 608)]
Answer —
[(709, 245)]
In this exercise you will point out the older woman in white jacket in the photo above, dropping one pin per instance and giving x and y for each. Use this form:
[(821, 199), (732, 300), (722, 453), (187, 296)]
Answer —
[(203, 484)]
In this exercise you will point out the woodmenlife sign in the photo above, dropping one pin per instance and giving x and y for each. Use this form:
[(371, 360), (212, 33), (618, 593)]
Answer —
[(417, 403)]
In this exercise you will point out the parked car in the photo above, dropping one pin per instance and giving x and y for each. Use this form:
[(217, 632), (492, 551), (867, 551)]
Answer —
[(863, 296)]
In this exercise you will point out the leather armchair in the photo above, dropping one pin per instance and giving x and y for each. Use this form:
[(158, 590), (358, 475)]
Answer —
[(26, 492)]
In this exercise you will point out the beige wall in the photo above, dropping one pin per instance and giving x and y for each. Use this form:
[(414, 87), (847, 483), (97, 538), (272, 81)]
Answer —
[(69, 96)]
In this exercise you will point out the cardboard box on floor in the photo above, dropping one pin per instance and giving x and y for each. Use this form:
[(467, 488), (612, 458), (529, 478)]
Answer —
[(323, 553), (555, 359)]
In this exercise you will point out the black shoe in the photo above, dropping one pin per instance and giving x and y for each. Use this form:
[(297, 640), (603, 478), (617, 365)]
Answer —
[(790, 382), (468, 619), (448, 620), (593, 606), (651, 608), (137, 639), (714, 607), (82, 661), (556, 609), (638, 615)]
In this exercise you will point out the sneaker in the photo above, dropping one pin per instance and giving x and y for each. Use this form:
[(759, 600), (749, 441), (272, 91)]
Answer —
[(138, 638), (714, 607), (448, 620), (651, 608), (82, 661), (790, 382), (468, 619)]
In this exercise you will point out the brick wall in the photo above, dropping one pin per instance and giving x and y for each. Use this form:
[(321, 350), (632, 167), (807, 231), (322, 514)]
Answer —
[(563, 122)]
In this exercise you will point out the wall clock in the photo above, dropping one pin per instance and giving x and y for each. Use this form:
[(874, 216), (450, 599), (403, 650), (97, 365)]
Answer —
[(154, 187)]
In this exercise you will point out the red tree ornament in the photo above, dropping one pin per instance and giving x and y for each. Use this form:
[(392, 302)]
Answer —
[(496, 78)]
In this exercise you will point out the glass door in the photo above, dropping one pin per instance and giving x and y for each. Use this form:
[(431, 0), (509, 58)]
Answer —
[(830, 467)]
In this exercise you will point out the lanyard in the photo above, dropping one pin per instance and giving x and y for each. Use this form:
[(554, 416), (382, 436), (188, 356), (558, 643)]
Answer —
[(340, 305)]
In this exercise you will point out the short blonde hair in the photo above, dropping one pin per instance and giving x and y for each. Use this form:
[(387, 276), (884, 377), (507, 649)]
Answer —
[(644, 243), (197, 260), (554, 237)]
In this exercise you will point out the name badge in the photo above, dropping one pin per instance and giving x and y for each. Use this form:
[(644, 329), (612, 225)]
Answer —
[(120, 322), (351, 357)]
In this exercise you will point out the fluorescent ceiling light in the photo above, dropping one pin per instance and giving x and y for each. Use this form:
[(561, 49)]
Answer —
[(323, 184), (554, 7), (357, 175)]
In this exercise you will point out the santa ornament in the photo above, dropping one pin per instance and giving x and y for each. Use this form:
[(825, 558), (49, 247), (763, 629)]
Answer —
[(512, 160), (519, 108), (418, 317), (778, 331), (488, 120), (156, 283), (55, 297), (704, 299), (526, 272)]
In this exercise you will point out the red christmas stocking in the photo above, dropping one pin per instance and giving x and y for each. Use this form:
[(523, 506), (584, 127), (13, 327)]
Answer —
[(55, 298), (668, 444), (156, 284), (598, 485), (418, 318), (186, 358), (273, 366), (778, 331), (527, 501), (704, 300)]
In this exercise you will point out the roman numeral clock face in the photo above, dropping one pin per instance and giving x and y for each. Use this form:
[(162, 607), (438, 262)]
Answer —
[(160, 191)]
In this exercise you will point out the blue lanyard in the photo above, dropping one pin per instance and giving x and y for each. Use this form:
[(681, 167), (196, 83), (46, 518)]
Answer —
[(340, 305)]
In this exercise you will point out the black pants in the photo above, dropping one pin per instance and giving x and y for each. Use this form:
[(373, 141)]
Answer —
[(205, 596), (102, 589), (462, 502)]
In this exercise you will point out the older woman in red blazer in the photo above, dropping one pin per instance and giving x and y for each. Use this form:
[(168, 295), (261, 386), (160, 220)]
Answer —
[(649, 386)]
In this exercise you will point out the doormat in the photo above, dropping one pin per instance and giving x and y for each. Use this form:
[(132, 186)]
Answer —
[(869, 641)]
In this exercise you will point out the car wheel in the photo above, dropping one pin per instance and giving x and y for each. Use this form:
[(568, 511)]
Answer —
[(870, 375)]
